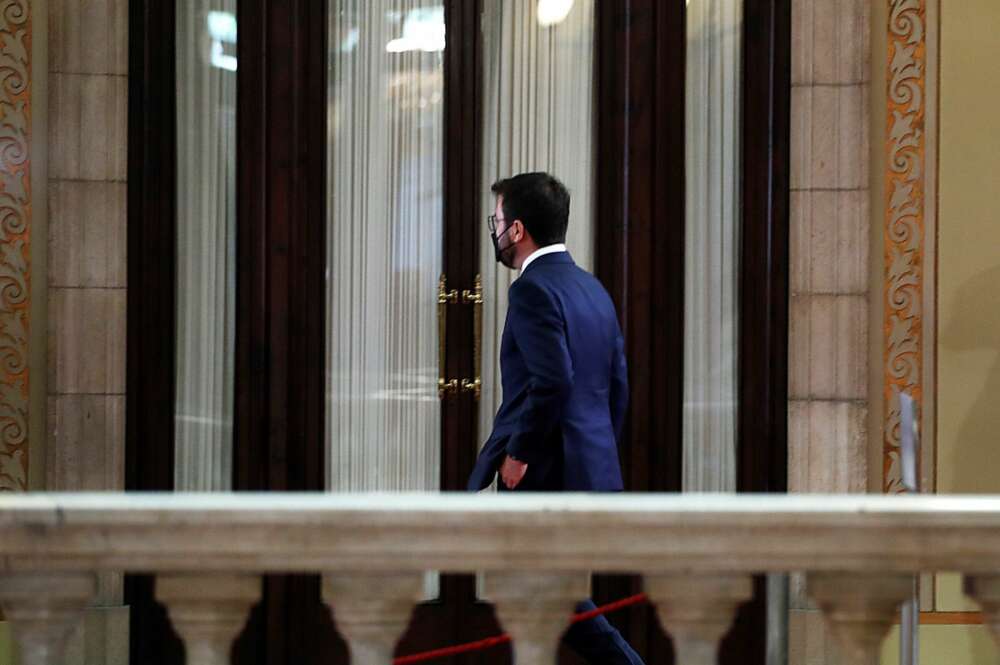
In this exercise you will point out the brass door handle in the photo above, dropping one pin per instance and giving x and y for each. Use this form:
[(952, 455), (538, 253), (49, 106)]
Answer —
[(475, 298), (445, 297), (472, 297)]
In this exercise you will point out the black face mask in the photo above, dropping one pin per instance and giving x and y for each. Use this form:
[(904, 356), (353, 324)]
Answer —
[(505, 255)]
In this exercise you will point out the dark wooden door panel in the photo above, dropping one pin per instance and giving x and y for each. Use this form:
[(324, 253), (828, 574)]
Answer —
[(152, 260), (641, 49), (281, 213)]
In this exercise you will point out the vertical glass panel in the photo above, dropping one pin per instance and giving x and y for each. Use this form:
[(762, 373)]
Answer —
[(385, 232), (538, 116), (206, 247), (713, 242)]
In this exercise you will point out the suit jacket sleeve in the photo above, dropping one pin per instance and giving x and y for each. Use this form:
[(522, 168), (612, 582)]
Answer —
[(540, 334), (619, 387)]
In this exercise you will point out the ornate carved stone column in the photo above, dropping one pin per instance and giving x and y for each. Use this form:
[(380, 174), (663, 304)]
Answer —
[(985, 590), (535, 608), (859, 608), (19, 145), (44, 609), (208, 611), (372, 611), (697, 611)]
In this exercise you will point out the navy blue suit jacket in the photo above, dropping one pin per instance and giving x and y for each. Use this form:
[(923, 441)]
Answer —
[(565, 384)]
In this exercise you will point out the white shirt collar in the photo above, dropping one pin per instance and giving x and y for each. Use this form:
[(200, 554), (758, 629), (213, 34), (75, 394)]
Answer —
[(542, 251)]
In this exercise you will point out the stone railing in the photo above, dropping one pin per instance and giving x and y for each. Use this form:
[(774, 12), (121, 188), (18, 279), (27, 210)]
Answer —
[(697, 554)]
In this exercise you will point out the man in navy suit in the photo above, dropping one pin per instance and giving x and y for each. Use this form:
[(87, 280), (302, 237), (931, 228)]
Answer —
[(565, 383)]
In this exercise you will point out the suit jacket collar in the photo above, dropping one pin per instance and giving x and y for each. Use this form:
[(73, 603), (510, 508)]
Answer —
[(550, 259)]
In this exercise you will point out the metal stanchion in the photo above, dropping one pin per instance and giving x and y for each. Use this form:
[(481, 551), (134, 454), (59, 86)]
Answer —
[(909, 634)]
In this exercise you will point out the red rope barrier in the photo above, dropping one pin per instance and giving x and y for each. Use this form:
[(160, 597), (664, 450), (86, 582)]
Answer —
[(479, 645)]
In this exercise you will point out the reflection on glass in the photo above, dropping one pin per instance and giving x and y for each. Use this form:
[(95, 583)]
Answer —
[(712, 245), (551, 12), (222, 30), (423, 30), (206, 243), (385, 242)]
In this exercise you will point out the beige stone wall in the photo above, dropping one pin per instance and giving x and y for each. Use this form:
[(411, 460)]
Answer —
[(88, 123), (88, 100), (830, 221), (828, 435)]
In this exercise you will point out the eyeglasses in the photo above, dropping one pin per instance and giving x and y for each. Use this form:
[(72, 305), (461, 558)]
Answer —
[(491, 223)]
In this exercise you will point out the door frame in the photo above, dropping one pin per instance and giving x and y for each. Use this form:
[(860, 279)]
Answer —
[(640, 201), (151, 299)]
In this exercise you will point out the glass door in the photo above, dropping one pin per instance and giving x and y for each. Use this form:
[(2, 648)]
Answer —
[(412, 334), (403, 318), (385, 238)]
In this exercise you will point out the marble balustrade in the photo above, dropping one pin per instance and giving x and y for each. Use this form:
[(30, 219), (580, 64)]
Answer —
[(697, 555)]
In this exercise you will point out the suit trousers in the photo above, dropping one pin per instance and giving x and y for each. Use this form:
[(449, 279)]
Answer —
[(598, 642)]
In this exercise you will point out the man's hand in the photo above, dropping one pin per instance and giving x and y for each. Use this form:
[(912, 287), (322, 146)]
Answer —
[(512, 471)]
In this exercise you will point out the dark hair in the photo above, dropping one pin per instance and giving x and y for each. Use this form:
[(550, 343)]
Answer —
[(540, 201)]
